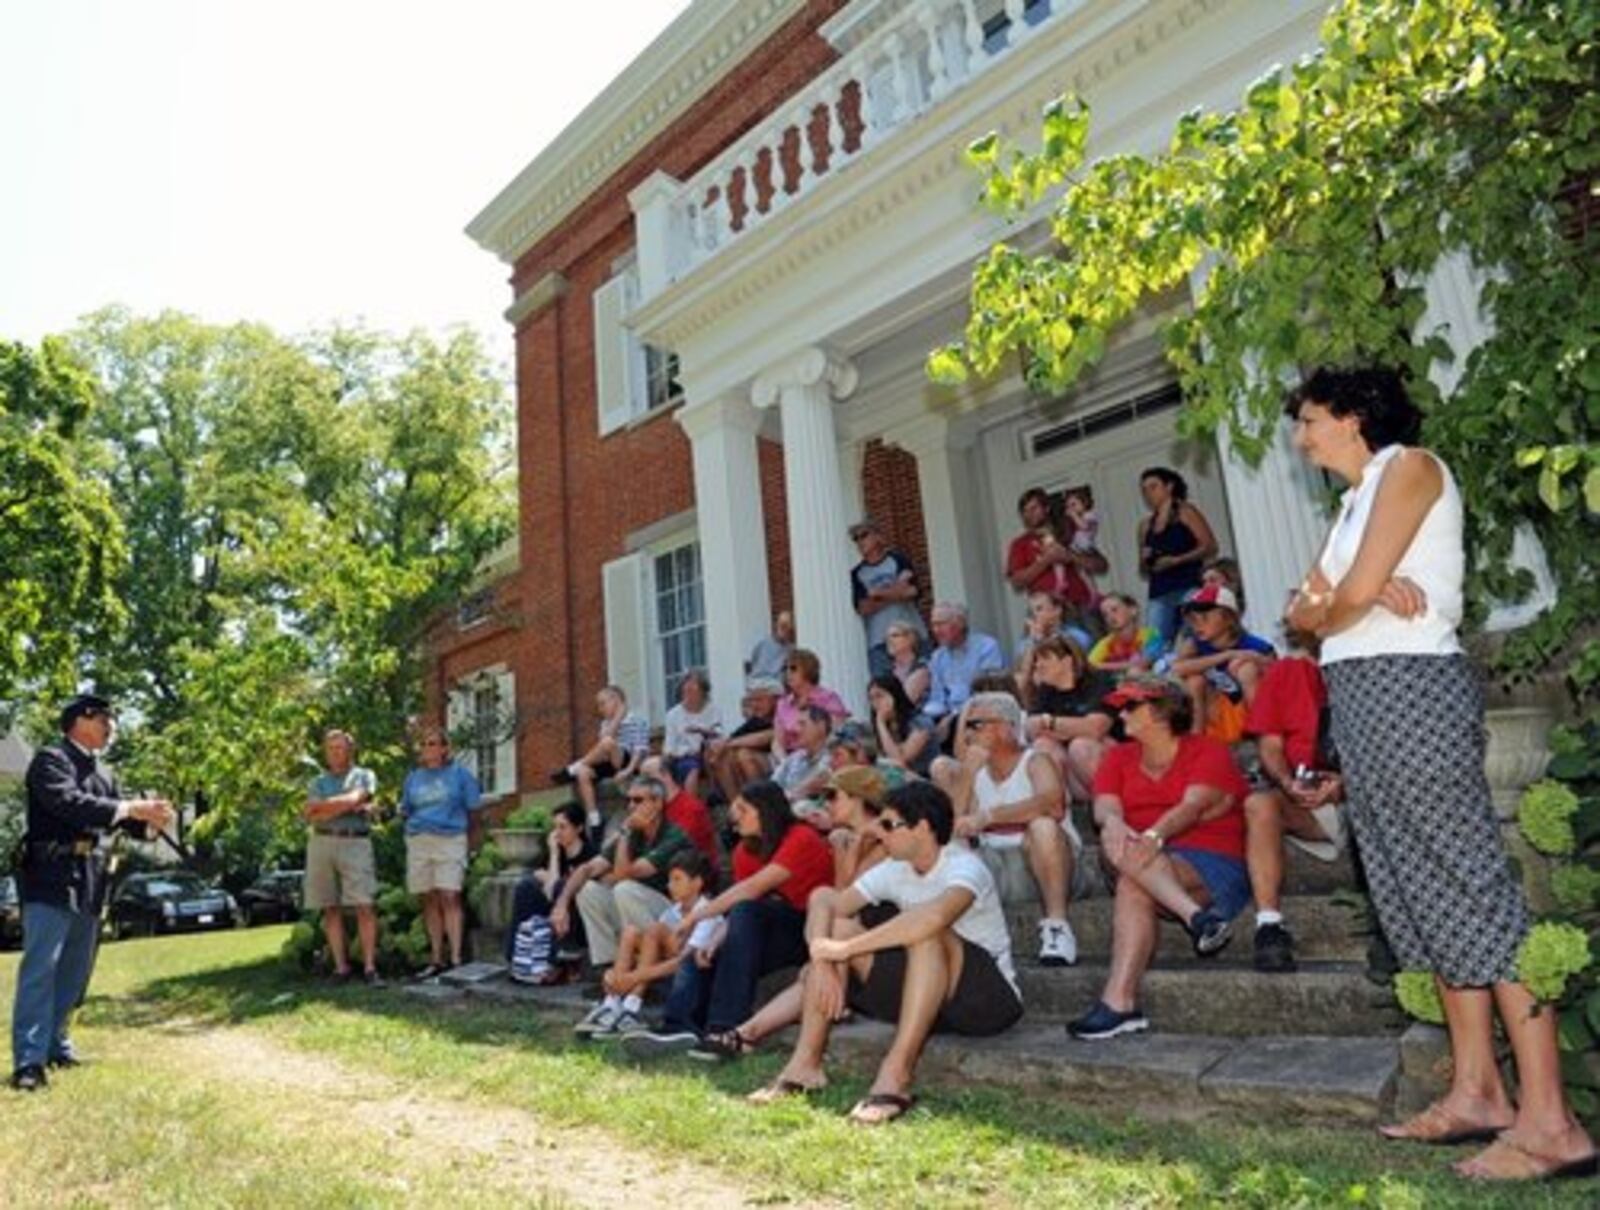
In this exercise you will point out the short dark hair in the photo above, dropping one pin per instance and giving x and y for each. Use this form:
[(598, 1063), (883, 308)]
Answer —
[(1176, 710), (573, 813), (807, 662), (995, 682), (817, 714), (1375, 395), (917, 801), (692, 862), (1175, 481), (1033, 493)]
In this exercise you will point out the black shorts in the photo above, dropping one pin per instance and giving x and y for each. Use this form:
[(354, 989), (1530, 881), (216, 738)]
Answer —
[(983, 1003)]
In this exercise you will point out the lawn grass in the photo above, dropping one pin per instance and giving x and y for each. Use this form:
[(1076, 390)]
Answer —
[(977, 1147)]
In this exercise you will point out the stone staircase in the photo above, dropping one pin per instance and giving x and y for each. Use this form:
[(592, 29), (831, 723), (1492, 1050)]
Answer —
[(1322, 1043)]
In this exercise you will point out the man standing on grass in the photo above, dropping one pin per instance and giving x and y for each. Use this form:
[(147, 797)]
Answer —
[(71, 803), (341, 871)]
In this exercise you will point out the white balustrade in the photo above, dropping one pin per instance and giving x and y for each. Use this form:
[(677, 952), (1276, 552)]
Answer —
[(919, 55)]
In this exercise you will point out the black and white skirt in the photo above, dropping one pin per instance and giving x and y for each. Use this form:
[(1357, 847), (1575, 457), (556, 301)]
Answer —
[(1410, 734)]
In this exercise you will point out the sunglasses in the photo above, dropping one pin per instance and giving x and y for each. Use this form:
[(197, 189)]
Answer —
[(891, 825), (638, 798), (983, 722)]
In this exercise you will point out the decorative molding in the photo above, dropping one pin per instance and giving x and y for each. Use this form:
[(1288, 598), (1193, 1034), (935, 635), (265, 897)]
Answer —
[(809, 367), (671, 74), (725, 411), (536, 298), (678, 525)]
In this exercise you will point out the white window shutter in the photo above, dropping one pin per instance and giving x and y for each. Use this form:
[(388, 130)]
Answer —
[(613, 377), (505, 756), (457, 714), (635, 364), (627, 642)]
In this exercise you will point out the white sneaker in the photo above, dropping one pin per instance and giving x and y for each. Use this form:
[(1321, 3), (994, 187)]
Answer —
[(626, 1023), (601, 1019), (1057, 945)]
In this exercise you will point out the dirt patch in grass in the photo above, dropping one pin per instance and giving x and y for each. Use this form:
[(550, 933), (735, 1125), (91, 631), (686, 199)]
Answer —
[(513, 1148)]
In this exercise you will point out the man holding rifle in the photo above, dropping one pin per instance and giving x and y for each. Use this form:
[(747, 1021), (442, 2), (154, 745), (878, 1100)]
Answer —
[(71, 805)]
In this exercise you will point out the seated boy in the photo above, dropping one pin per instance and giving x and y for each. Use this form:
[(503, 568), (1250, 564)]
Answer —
[(648, 954), (1293, 793), (1220, 663), (942, 963)]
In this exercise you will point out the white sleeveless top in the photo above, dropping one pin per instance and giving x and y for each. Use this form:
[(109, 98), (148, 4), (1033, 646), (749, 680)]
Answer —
[(1014, 789), (1435, 561)]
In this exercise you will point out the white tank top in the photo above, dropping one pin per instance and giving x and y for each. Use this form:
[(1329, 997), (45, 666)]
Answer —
[(1014, 789), (1435, 562)]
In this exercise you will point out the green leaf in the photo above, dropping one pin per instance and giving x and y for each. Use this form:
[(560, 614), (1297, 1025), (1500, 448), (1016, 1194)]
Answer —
[(1530, 456), (1591, 489)]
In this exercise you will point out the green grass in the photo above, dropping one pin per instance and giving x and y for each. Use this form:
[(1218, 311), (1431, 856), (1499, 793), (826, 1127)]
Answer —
[(976, 1146)]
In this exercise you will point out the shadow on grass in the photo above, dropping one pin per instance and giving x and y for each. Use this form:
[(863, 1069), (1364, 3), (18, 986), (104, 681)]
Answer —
[(1220, 1162)]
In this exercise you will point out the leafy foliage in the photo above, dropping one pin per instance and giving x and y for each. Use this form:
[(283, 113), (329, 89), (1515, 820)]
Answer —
[(1418, 993), (1550, 954), (1314, 212), (1545, 816), (60, 539)]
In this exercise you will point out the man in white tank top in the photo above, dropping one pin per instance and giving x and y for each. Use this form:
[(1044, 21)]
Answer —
[(1008, 796)]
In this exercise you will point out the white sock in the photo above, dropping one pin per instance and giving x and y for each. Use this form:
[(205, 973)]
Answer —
[(1266, 918), (632, 1004), (574, 767), (612, 1002), (594, 819)]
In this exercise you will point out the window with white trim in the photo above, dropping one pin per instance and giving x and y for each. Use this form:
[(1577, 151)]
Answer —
[(631, 377), (655, 621), (680, 615), (481, 717)]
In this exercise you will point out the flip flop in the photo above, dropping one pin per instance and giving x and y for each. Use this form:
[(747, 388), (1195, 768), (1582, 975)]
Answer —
[(1450, 1129), (900, 1105), (781, 1090), (1533, 1166)]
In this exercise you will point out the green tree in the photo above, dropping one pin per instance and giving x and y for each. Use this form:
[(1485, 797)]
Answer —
[(1318, 206), (295, 512), (60, 540)]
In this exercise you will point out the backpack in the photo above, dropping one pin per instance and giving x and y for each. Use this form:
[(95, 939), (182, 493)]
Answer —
[(531, 951)]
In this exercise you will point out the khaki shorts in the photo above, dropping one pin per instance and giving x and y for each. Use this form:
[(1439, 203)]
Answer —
[(340, 871), (435, 863)]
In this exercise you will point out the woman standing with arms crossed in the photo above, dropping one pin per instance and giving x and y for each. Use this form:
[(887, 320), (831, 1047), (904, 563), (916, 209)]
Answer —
[(1407, 718), (1175, 541)]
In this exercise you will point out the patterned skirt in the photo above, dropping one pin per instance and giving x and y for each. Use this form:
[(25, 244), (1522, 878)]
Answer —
[(1410, 735)]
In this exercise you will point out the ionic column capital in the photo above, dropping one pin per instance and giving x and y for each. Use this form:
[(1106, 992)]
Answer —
[(812, 366), (724, 412)]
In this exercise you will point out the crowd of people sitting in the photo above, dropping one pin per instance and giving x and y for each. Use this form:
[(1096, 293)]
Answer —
[(864, 853)]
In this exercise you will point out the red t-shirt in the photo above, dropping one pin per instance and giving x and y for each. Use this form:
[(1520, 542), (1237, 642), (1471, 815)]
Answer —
[(803, 852), (1060, 580), (1200, 761), (694, 821), (1289, 702)]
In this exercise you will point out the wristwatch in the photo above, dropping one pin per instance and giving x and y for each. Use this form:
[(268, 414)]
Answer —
[(1152, 834)]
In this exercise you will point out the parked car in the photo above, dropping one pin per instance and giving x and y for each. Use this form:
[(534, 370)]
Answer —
[(169, 901), (272, 897), (10, 913)]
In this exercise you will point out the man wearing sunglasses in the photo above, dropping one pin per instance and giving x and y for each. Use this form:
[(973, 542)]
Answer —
[(941, 963)]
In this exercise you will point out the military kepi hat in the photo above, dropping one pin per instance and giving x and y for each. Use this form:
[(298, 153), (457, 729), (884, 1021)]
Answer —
[(81, 705)]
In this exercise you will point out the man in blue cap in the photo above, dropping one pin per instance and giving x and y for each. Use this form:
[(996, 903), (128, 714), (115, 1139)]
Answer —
[(71, 803)]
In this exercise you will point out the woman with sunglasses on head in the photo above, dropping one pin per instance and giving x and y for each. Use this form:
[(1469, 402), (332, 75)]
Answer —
[(802, 678), (1385, 598), (436, 804), (1169, 808)]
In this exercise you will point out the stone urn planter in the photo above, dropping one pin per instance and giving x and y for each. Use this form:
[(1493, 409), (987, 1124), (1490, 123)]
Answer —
[(1519, 750), (521, 847)]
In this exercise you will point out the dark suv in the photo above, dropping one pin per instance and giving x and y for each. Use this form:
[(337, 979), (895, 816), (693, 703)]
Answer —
[(169, 902), (272, 897)]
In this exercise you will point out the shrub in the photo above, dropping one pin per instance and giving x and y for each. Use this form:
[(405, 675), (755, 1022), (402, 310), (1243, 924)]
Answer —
[(1418, 993), (531, 818), (1546, 817), (1550, 955)]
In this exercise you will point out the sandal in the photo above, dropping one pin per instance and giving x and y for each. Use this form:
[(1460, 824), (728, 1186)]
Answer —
[(1437, 1126), (1527, 1164), (720, 1047), (862, 1114), (782, 1089)]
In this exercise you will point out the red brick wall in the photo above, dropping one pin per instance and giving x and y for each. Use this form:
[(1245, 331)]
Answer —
[(775, 516), (892, 496)]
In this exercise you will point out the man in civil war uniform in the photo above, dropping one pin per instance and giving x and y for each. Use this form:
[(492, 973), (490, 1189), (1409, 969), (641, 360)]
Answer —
[(72, 804)]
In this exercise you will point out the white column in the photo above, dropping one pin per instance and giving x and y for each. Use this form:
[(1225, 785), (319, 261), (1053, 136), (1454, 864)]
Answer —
[(733, 537), (804, 385), (654, 231), (928, 440), (852, 462)]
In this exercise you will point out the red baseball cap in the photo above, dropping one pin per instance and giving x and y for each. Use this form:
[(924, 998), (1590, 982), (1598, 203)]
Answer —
[(1142, 689), (1211, 596)]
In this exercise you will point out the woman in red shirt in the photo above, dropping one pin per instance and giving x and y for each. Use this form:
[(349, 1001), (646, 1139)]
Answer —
[(778, 862), (1168, 807)]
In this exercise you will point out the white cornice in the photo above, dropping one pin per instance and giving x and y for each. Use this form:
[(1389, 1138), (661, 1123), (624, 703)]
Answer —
[(673, 72)]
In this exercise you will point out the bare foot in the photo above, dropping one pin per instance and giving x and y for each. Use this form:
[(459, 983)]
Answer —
[(1443, 1124), (1509, 1158)]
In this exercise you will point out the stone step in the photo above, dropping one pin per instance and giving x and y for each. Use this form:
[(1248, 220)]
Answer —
[(1333, 999), (1322, 929), (1300, 1077)]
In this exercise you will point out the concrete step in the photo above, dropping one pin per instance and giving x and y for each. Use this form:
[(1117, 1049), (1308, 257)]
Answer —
[(1332, 999), (1301, 1077), (1323, 930)]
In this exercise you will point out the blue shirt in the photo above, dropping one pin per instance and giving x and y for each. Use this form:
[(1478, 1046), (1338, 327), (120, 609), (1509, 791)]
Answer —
[(329, 785), (954, 668), (437, 801)]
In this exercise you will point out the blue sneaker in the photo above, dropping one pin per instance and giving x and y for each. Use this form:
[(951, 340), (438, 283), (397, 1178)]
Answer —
[(1102, 1021), (1209, 932)]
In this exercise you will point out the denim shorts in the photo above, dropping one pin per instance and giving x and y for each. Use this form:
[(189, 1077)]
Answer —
[(1225, 877)]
